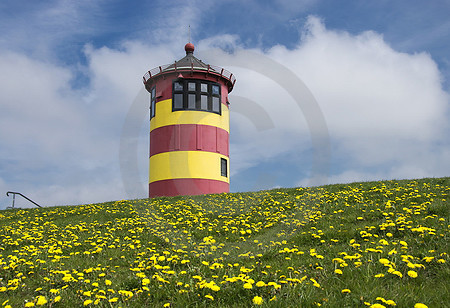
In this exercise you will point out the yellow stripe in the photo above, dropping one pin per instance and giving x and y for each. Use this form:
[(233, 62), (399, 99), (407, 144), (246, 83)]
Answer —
[(187, 164), (165, 116)]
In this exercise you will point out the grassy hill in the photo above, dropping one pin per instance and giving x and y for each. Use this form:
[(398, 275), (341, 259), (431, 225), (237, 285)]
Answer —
[(368, 244)]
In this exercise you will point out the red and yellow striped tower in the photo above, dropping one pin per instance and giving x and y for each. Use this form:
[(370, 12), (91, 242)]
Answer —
[(189, 127)]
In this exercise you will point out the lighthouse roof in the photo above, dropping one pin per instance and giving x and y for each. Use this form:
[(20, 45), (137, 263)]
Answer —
[(190, 63)]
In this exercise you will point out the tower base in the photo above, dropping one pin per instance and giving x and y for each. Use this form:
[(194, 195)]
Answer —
[(187, 187)]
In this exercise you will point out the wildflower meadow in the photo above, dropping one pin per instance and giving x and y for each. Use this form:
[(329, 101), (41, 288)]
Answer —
[(372, 244)]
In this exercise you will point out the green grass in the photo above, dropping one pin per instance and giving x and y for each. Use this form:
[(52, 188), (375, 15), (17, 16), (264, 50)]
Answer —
[(296, 247)]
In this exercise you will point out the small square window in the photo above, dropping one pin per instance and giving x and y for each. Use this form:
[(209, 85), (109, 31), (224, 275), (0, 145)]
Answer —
[(204, 87), (191, 101), (215, 105), (178, 101), (178, 86), (204, 102), (191, 86), (223, 167), (215, 90)]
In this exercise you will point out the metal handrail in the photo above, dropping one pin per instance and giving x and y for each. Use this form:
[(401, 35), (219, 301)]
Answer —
[(17, 193), (209, 69)]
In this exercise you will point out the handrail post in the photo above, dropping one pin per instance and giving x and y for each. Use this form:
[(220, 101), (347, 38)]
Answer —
[(25, 197)]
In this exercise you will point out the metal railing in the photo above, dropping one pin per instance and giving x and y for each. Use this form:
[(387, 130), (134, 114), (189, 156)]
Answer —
[(209, 69), (14, 198)]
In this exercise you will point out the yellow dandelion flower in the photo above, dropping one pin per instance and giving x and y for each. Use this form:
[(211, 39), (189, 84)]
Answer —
[(248, 286), (420, 305), (377, 306), (390, 302), (29, 304), (397, 273), (346, 291), (338, 271), (87, 302), (108, 282), (87, 293), (209, 297), (215, 288), (257, 300), (412, 274), (41, 300), (57, 299), (260, 284)]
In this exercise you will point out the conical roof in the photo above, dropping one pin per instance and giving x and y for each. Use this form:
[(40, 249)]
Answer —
[(188, 61)]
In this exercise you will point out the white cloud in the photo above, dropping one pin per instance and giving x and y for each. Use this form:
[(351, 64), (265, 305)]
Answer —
[(384, 109)]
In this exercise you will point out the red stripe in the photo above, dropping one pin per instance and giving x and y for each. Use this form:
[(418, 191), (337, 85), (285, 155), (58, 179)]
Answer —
[(187, 187), (189, 137)]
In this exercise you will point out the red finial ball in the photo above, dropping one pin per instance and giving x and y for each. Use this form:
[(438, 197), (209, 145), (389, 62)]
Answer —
[(189, 47)]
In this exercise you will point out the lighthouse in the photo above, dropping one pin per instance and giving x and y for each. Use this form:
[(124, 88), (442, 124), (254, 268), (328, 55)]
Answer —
[(189, 127)]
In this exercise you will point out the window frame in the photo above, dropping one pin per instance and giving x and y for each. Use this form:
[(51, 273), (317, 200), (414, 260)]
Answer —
[(224, 167), (152, 102), (198, 90)]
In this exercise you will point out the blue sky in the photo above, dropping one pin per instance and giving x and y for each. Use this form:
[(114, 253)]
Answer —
[(326, 92)]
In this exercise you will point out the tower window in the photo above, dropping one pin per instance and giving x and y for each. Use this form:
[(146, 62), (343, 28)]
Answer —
[(193, 94), (178, 86), (152, 102), (178, 101), (223, 167)]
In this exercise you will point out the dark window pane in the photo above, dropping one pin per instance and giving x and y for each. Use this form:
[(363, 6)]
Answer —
[(152, 111), (215, 104), (191, 101), (178, 101), (223, 167), (204, 102), (191, 86), (178, 86), (215, 90), (204, 87)]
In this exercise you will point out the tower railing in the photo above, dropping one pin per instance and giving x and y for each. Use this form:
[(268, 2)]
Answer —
[(14, 198), (212, 69)]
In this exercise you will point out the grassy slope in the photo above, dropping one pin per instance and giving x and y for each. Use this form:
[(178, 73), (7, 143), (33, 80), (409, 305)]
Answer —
[(291, 247)]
